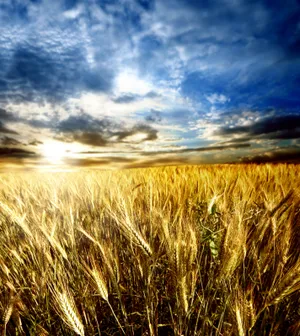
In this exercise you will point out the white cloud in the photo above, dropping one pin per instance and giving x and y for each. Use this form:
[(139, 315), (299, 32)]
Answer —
[(101, 105), (217, 98), (74, 12), (129, 82)]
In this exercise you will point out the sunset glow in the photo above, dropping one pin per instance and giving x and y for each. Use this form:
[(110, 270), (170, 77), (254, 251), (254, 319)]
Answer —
[(54, 152)]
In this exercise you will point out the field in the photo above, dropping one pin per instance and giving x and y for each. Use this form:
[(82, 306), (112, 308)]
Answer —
[(189, 250)]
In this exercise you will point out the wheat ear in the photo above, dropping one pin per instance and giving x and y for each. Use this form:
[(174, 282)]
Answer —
[(102, 288), (239, 321), (69, 312), (291, 284), (7, 315)]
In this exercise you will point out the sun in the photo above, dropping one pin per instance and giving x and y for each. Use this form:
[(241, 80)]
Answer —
[(54, 151)]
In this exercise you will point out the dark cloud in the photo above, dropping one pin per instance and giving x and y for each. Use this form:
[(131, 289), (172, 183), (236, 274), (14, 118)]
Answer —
[(288, 155), (85, 122), (16, 153), (8, 141), (39, 124), (150, 133), (35, 142), (130, 98), (37, 73), (154, 116), (95, 80), (125, 99), (238, 140), (7, 116), (85, 129), (88, 130), (90, 138), (274, 127)]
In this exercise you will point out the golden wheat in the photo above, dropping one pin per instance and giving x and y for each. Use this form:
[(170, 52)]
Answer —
[(68, 310), (190, 250)]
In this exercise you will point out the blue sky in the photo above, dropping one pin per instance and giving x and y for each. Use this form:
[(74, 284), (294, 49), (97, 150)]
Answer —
[(135, 83)]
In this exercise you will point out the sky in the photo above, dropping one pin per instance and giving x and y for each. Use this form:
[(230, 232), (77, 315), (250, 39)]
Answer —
[(138, 83)]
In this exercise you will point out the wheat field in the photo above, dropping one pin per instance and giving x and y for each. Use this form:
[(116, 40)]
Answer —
[(187, 250)]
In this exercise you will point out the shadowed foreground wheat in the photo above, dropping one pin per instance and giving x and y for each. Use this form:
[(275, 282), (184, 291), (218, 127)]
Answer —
[(190, 250)]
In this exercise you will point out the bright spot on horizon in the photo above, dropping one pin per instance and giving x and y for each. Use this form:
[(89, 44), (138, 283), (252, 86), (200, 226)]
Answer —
[(54, 151)]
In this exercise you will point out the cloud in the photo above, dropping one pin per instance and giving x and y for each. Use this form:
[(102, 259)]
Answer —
[(273, 127), (94, 162), (49, 56), (148, 133), (130, 98), (127, 98), (215, 98), (84, 122), (56, 50), (4, 129), (18, 153), (199, 149), (7, 116), (289, 155), (85, 129), (42, 74), (122, 74), (88, 130), (90, 138), (35, 142), (154, 116), (174, 150), (8, 141)]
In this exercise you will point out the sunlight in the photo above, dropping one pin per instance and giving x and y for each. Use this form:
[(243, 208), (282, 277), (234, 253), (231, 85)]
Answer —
[(128, 82), (54, 151)]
